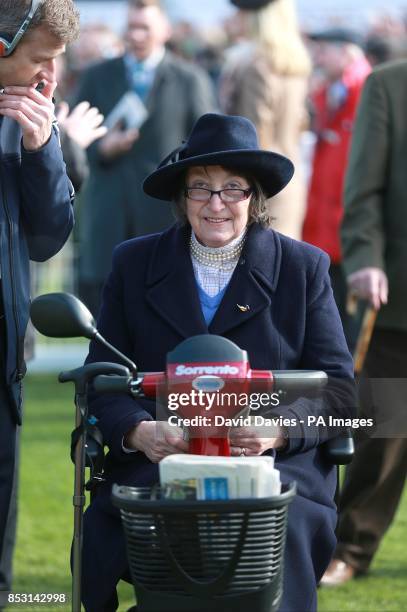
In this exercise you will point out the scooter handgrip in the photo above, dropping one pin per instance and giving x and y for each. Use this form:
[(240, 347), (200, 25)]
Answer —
[(89, 371), (340, 450), (299, 380), (112, 384)]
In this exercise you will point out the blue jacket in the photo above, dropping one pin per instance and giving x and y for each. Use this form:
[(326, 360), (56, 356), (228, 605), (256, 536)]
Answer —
[(36, 218)]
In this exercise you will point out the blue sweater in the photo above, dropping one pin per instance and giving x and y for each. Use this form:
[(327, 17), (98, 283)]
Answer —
[(210, 304)]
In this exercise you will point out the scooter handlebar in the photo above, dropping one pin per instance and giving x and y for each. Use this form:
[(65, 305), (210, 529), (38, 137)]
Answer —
[(112, 384), (83, 375), (299, 380), (146, 384)]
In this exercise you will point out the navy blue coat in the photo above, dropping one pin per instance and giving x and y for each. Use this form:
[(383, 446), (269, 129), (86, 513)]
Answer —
[(151, 304), (36, 218)]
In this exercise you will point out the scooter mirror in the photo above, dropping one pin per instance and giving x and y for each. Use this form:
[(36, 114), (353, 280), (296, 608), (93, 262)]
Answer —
[(62, 315)]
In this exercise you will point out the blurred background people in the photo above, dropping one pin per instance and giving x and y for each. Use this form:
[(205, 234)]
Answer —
[(175, 94), (378, 49), (267, 82), (386, 38), (79, 127), (96, 42), (342, 68), (374, 239)]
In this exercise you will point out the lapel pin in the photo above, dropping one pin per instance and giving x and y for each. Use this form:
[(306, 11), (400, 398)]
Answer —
[(243, 308)]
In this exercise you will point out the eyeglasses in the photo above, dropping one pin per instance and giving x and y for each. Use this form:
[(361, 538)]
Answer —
[(227, 196), (6, 47)]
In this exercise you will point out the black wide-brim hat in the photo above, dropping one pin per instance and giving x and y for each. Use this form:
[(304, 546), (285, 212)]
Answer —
[(220, 140)]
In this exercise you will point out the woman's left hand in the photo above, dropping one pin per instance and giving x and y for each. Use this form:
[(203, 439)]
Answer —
[(247, 441)]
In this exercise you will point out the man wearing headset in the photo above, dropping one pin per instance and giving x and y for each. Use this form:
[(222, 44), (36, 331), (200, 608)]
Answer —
[(36, 213)]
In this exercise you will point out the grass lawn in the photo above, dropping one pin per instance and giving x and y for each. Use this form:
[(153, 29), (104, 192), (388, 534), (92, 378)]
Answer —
[(46, 517)]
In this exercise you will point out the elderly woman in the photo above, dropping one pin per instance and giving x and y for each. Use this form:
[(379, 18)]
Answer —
[(194, 279)]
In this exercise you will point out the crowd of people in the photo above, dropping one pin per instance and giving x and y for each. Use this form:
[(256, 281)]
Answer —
[(127, 108), (260, 65)]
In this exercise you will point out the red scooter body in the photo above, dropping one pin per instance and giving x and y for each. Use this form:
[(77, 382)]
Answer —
[(208, 370)]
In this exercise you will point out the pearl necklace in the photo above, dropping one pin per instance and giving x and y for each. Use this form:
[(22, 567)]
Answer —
[(216, 257)]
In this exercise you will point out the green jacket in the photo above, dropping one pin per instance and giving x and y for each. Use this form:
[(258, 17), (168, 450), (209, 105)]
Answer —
[(374, 229)]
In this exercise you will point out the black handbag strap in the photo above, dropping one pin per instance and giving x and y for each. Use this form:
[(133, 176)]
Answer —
[(202, 588)]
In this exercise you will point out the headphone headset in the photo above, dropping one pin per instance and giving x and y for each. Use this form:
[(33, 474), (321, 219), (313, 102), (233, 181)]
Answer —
[(6, 47)]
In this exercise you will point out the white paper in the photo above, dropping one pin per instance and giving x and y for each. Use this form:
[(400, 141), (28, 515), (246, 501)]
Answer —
[(130, 110), (246, 476)]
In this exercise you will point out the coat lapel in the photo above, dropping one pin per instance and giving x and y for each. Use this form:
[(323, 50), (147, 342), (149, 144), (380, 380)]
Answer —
[(160, 77), (253, 282), (171, 285), (172, 290), (118, 85)]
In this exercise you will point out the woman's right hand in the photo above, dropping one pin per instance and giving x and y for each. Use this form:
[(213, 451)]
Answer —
[(156, 439)]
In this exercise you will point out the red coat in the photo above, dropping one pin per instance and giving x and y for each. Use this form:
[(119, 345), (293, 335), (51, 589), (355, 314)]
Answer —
[(334, 129)]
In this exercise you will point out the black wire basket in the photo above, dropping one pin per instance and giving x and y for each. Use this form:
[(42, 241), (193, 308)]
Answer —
[(200, 556)]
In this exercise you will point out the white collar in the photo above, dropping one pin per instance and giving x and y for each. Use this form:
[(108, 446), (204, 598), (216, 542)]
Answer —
[(152, 61)]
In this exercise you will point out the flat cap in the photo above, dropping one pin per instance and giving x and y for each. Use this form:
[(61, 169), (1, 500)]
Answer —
[(337, 35), (250, 5)]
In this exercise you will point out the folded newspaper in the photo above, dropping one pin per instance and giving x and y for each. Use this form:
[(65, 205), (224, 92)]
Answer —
[(209, 478), (130, 111)]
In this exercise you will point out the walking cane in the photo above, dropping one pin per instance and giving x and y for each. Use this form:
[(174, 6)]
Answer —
[(365, 334), (362, 345)]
